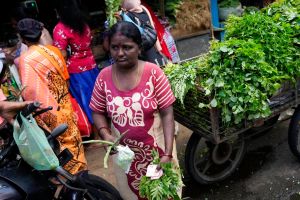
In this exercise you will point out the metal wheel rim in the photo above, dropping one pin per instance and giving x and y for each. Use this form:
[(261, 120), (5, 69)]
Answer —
[(206, 159)]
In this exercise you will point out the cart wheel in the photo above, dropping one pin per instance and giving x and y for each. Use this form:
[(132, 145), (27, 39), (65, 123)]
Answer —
[(208, 163), (294, 133)]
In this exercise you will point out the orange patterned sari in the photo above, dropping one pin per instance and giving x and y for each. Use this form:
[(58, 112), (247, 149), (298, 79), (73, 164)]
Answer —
[(43, 74)]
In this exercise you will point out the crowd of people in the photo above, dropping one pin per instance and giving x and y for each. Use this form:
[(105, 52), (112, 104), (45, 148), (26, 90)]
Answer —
[(131, 95)]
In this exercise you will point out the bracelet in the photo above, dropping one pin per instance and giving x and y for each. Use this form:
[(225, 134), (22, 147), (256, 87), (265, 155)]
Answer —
[(167, 155)]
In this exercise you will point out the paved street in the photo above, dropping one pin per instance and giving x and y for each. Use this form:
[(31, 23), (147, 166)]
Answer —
[(268, 171)]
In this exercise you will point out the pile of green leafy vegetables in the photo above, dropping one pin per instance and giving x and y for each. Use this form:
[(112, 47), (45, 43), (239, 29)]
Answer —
[(183, 82), (166, 187), (260, 52)]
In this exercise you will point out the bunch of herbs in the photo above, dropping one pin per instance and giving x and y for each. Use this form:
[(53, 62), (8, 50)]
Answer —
[(182, 76), (166, 187), (239, 80), (276, 39)]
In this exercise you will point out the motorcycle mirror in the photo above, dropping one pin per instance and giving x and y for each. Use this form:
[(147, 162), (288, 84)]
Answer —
[(57, 131)]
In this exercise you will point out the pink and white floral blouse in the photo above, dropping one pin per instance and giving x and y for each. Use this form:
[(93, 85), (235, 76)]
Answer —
[(81, 58)]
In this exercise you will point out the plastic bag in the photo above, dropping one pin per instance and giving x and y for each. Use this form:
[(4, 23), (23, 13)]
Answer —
[(33, 145), (124, 157), (170, 42)]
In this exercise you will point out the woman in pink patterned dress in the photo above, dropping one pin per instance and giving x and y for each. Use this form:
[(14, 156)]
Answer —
[(72, 30), (137, 98)]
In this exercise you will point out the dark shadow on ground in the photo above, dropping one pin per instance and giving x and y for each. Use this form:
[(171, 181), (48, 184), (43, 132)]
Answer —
[(253, 161)]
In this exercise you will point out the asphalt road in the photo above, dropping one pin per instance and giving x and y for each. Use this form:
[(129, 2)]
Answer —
[(268, 171)]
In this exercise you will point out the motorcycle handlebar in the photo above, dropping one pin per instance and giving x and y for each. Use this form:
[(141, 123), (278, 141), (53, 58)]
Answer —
[(30, 108)]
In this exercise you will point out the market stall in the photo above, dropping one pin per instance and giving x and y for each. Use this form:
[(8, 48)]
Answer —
[(239, 88), (189, 23)]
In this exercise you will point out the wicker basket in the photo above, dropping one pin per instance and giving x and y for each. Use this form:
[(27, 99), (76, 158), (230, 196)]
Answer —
[(208, 122)]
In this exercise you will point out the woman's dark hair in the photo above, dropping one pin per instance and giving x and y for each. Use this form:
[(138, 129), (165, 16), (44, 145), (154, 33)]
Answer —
[(30, 29), (127, 29), (71, 15)]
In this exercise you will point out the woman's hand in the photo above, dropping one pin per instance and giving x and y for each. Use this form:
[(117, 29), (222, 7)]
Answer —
[(169, 129), (165, 159), (118, 16), (108, 137), (102, 127), (105, 134), (8, 109)]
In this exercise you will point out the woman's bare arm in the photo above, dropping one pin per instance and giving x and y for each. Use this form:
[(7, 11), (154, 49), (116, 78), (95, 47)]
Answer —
[(168, 124), (102, 127)]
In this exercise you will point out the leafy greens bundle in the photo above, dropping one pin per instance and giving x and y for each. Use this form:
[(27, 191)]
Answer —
[(259, 53), (166, 187)]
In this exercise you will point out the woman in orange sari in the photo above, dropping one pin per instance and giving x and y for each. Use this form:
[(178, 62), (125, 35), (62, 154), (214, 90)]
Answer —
[(44, 76)]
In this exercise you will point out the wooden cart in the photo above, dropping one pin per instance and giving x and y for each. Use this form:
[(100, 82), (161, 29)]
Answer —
[(214, 150)]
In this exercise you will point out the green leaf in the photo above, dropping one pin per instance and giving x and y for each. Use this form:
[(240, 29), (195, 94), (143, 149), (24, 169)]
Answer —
[(219, 83), (207, 92), (214, 103), (224, 49), (202, 105)]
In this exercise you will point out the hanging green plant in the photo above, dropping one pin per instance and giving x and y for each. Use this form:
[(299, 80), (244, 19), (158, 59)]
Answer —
[(112, 6), (171, 8)]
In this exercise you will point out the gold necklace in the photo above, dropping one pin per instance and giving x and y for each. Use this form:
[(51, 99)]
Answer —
[(117, 79)]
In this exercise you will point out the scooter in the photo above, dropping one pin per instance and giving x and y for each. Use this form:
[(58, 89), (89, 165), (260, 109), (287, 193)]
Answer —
[(18, 180)]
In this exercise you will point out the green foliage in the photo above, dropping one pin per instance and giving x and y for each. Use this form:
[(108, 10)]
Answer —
[(276, 39), (260, 52), (182, 77), (228, 3), (166, 186), (239, 79), (171, 8), (286, 12), (112, 6)]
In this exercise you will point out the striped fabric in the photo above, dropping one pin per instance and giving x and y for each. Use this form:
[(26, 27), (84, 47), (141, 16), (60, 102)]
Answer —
[(34, 69), (44, 79), (154, 87)]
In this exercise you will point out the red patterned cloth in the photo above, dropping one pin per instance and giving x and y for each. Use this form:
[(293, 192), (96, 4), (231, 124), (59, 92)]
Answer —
[(81, 58), (137, 111)]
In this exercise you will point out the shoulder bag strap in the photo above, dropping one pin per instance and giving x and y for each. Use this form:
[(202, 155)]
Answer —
[(128, 19), (137, 17)]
